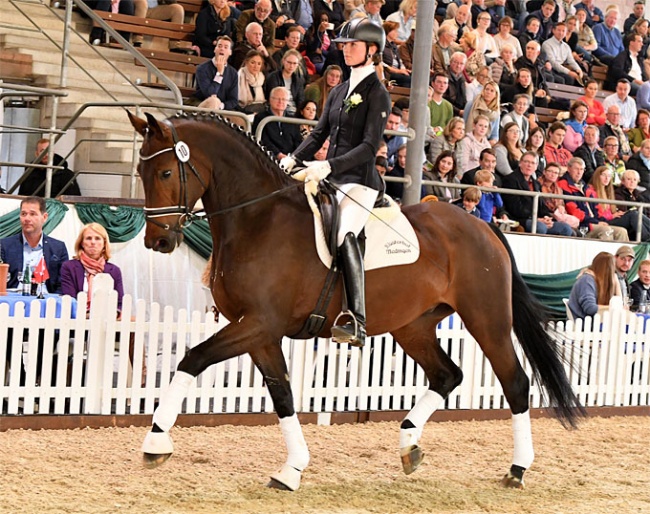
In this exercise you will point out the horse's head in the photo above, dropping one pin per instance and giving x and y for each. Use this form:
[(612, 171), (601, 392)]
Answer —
[(172, 183)]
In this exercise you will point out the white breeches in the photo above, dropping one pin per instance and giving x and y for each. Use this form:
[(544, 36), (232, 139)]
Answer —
[(356, 203)]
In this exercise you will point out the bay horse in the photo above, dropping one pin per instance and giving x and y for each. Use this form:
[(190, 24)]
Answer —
[(266, 277)]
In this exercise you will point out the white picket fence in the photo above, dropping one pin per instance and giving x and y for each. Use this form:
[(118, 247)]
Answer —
[(91, 374)]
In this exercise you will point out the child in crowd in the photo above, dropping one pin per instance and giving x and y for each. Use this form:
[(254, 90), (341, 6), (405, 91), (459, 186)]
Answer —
[(641, 285), (469, 201), (489, 201)]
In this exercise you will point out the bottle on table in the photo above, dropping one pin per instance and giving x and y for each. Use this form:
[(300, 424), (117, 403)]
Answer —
[(27, 281), (34, 285), (643, 302)]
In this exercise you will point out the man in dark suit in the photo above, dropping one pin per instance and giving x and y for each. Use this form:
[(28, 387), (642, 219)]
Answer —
[(34, 183), (628, 65), (521, 207), (217, 83), (31, 243), (590, 152), (277, 137)]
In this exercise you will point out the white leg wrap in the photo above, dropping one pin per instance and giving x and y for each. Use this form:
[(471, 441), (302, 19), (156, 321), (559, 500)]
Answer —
[(172, 401), (419, 415), (523, 454), (297, 452)]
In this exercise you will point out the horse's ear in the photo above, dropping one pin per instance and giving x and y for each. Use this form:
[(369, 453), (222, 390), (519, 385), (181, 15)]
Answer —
[(139, 124), (154, 126)]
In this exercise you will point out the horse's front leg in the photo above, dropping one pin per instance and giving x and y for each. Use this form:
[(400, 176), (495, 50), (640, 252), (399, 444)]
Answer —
[(232, 341), (269, 359)]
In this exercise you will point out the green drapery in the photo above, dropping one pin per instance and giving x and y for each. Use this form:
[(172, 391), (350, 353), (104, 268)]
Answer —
[(551, 289), (122, 223), (10, 222), (198, 238)]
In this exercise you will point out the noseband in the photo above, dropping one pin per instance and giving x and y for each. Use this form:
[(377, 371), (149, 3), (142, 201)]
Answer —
[(183, 210)]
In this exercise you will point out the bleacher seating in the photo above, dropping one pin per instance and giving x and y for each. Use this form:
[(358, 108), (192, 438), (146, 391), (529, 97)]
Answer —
[(175, 63), (16, 67), (148, 27)]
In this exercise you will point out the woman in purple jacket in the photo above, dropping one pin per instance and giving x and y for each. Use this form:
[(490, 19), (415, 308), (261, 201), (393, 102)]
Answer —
[(92, 252)]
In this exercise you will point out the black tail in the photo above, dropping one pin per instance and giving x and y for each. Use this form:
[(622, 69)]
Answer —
[(530, 320)]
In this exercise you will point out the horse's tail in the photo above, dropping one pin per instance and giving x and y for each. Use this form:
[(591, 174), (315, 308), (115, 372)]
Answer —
[(530, 323)]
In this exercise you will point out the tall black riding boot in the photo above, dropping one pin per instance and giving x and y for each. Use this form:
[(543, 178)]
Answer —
[(353, 331)]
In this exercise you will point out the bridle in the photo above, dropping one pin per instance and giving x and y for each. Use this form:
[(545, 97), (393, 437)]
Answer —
[(183, 210)]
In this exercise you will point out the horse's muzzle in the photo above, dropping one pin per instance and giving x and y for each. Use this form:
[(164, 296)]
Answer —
[(163, 244)]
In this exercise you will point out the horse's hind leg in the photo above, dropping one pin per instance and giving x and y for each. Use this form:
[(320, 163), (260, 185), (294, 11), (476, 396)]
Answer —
[(271, 363), (419, 341)]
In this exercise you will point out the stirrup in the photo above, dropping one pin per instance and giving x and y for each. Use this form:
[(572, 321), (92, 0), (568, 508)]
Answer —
[(340, 333)]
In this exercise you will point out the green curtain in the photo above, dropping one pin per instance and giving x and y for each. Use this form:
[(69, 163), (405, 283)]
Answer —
[(122, 223), (10, 222), (551, 289), (198, 238)]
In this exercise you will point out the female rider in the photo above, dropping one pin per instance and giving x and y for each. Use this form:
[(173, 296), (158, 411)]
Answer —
[(354, 119)]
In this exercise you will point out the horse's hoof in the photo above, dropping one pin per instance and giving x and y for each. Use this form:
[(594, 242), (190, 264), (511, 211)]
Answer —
[(286, 479), (412, 456), (153, 460), (512, 482)]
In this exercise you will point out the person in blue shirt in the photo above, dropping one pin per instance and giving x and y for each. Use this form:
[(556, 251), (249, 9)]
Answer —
[(594, 14), (609, 38), (595, 287), (490, 205), (470, 200)]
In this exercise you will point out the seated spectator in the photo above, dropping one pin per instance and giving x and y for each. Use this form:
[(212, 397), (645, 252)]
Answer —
[(369, 9), (586, 39), (469, 201), (318, 41), (406, 49), (442, 51), (474, 87), (582, 56), (34, 183), (335, 57), (521, 207), (485, 44), (319, 90), (503, 68), (214, 20), (575, 126), (279, 138), (405, 19), (97, 34), (640, 162), (490, 205), (162, 11), (260, 14), (451, 140), (444, 170), (393, 143), (559, 55), (518, 115), (596, 112), (475, 141), (333, 10), (504, 37), (393, 66), (292, 40), (31, 244), (595, 287), (613, 127), (487, 17), (217, 84), (590, 151), (628, 65), (611, 159), (509, 149), (638, 10), (475, 60), (641, 28), (251, 84), (536, 142), (487, 162), (540, 69), (396, 189), (287, 14), (524, 86), (440, 109), (460, 20), (252, 40), (640, 288), (608, 37), (548, 180), (554, 150), (629, 190), (487, 104), (593, 14), (641, 130), (92, 252), (601, 186), (456, 93), (306, 111), (547, 15), (530, 32), (289, 73)]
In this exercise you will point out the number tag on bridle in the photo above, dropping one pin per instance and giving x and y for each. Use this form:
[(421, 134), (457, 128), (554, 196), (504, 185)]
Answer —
[(182, 151)]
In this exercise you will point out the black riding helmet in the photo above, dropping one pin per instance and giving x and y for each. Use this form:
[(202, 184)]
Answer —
[(362, 29)]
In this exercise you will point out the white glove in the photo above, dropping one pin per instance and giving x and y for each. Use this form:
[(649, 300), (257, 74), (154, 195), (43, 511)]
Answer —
[(287, 163), (317, 170)]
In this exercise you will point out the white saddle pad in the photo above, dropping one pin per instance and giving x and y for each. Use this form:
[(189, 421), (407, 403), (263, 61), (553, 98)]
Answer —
[(390, 238)]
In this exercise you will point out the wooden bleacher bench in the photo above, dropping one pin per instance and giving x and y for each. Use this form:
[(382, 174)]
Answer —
[(399, 92), (545, 115), (571, 92), (176, 63), (600, 74), (192, 7), (16, 67), (148, 27)]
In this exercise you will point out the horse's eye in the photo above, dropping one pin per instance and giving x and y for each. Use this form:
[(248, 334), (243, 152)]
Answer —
[(166, 174)]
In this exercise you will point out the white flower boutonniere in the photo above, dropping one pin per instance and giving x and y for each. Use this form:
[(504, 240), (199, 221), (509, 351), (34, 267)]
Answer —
[(352, 102)]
